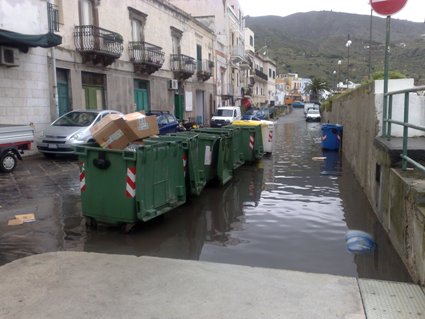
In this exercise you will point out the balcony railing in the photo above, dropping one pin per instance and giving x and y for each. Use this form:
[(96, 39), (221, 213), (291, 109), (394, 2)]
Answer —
[(261, 75), (204, 69), (97, 45), (146, 57), (182, 65), (237, 53)]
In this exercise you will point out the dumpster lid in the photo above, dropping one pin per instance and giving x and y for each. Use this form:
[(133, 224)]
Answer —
[(248, 123)]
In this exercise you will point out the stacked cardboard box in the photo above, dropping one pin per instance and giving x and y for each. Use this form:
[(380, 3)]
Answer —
[(117, 131)]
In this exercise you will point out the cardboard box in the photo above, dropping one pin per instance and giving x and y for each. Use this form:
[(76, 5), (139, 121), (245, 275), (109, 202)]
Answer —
[(141, 125), (112, 132)]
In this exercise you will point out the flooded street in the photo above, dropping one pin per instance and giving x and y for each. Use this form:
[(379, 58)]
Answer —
[(288, 211)]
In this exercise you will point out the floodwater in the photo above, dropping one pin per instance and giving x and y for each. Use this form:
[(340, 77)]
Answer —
[(288, 211)]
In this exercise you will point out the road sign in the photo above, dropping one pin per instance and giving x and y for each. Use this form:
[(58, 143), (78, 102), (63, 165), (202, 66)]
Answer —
[(387, 7)]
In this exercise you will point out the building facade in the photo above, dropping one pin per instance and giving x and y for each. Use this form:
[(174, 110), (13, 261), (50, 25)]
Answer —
[(25, 38), (141, 55)]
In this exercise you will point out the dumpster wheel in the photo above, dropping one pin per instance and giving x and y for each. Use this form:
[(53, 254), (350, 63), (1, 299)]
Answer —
[(91, 223), (126, 228)]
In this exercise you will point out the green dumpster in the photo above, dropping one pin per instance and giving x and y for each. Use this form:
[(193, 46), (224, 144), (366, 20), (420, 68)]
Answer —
[(214, 155), (235, 135), (251, 139), (194, 174), (126, 186)]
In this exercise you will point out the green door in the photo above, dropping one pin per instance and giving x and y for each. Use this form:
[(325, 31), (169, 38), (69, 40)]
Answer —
[(141, 99), (178, 106), (141, 95), (63, 98)]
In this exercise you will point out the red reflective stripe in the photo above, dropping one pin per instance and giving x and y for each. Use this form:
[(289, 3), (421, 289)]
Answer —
[(130, 187), (82, 177)]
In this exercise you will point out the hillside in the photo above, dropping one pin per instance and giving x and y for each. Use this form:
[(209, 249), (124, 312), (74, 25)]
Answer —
[(311, 44)]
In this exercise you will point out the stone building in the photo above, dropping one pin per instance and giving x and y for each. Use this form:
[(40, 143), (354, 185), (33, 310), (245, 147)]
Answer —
[(26, 34)]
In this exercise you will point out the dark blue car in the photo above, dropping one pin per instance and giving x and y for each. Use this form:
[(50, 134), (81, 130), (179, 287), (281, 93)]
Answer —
[(255, 115), (167, 122)]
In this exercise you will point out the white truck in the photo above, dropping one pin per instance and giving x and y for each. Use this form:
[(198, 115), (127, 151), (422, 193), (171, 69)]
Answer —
[(14, 139), (225, 115)]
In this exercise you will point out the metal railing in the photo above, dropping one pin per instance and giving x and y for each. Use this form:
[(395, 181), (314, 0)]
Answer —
[(387, 121), (144, 52), (182, 63), (204, 66), (90, 38), (261, 75)]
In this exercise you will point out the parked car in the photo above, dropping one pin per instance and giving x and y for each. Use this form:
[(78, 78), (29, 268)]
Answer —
[(167, 122), (308, 106), (69, 129), (298, 104), (225, 115), (255, 114), (313, 115)]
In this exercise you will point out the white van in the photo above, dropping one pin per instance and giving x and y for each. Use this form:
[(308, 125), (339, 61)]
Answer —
[(225, 115), (312, 106)]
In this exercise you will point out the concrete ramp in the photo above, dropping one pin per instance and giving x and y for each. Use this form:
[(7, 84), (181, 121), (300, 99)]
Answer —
[(88, 285), (392, 300)]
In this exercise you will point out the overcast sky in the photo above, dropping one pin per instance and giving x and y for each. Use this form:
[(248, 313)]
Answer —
[(414, 10)]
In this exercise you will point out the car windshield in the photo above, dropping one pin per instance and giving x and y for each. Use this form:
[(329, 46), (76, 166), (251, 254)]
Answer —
[(79, 119), (311, 111), (223, 112)]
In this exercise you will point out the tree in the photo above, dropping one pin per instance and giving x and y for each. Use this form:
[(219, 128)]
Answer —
[(315, 88)]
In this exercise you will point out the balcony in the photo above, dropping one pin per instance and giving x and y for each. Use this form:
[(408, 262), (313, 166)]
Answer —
[(147, 58), (237, 54), (182, 65), (204, 69), (97, 45), (261, 75)]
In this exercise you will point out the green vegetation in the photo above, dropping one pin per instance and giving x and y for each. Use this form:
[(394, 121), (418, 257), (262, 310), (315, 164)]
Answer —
[(311, 44), (316, 87)]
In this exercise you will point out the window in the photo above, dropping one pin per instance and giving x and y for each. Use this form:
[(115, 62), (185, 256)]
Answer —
[(270, 73), (138, 21), (251, 40), (86, 12), (176, 36), (274, 74)]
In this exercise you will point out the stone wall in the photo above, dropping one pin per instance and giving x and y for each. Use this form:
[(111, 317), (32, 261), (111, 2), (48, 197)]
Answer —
[(397, 197)]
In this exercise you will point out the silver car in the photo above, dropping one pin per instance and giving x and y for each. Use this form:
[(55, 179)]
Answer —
[(69, 129)]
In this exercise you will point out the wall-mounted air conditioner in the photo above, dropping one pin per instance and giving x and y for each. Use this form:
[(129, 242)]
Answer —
[(173, 84), (9, 56)]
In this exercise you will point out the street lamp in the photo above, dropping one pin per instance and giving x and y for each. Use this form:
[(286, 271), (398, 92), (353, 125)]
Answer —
[(334, 78), (348, 44), (339, 72)]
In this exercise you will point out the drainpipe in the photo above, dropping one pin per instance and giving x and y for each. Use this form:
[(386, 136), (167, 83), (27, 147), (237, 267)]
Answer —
[(55, 80)]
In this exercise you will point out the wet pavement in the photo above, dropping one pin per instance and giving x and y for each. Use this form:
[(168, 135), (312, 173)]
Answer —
[(288, 212)]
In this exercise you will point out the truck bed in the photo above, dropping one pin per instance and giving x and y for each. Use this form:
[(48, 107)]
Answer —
[(15, 134)]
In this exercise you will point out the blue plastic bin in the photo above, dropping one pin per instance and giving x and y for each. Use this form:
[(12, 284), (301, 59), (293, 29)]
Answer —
[(331, 136)]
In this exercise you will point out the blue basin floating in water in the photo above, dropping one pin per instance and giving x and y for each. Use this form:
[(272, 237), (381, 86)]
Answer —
[(359, 242)]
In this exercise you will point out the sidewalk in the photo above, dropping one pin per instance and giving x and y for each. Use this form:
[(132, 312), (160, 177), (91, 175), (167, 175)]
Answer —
[(88, 285)]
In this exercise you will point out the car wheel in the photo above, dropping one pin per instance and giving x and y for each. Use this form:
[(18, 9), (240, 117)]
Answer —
[(8, 162)]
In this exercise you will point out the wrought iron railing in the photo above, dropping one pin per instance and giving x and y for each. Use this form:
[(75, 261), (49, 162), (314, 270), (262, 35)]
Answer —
[(388, 121), (261, 75), (53, 17), (144, 52), (90, 38), (238, 51), (182, 63), (204, 66)]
